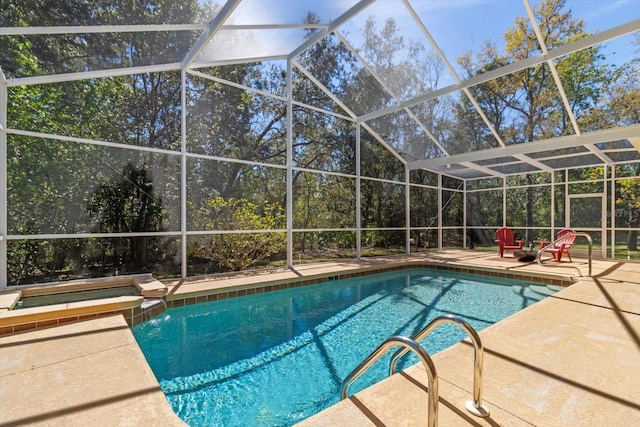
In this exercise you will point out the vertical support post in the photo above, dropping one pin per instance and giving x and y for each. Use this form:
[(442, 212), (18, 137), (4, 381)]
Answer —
[(183, 174), (567, 205), (553, 201), (603, 220), (358, 195), (464, 215), (504, 202), (3, 181), (440, 212), (199, 46), (289, 177), (407, 207), (613, 213)]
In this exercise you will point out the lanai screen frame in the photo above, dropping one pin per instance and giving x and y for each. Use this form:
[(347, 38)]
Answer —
[(438, 165)]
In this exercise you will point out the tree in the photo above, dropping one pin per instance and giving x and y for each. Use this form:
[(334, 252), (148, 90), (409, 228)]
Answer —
[(49, 179), (620, 99), (239, 251), (128, 205), (323, 143), (628, 202), (525, 106)]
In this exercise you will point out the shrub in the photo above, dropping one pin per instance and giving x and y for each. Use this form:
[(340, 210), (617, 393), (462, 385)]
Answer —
[(238, 251)]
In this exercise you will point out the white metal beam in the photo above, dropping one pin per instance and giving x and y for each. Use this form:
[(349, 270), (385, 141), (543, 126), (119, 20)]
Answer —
[(184, 259), (116, 29), (236, 85), (267, 94), (357, 8), (483, 169), (49, 236), (87, 75), (245, 27), (557, 143), (447, 64), (93, 29), (552, 67), (383, 142), (471, 99), (236, 61), (558, 82), (90, 141), (393, 95), (324, 89), (586, 42), (4, 229), (455, 75), (208, 34), (358, 194), (599, 154), (407, 209), (535, 163), (289, 177)]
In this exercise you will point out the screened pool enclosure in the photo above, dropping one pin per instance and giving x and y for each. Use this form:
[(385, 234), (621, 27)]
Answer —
[(194, 137)]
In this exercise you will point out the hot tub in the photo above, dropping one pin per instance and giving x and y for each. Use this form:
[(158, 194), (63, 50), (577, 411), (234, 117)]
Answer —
[(136, 297)]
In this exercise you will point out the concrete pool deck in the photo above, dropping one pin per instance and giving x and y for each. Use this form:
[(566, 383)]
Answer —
[(570, 360)]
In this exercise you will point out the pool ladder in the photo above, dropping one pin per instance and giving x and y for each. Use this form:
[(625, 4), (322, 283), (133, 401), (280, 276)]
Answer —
[(552, 244), (411, 344)]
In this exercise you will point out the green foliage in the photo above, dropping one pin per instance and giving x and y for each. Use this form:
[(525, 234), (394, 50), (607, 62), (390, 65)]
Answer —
[(452, 208), (424, 207), (127, 204), (629, 194), (628, 207), (239, 251), (373, 241), (52, 181), (323, 201), (484, 208), (323, 245)]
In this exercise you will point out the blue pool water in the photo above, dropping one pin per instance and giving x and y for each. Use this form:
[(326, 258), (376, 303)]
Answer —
[(276, 358)]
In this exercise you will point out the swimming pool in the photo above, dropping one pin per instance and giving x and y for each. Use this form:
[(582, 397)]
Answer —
[(276, 358)]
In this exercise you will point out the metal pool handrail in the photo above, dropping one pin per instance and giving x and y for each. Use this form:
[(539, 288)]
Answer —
[(475, 407), (409, 345), (587, 235)]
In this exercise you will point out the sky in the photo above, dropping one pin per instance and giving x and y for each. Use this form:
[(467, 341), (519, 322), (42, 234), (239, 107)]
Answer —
[(456, 25), (603, 15), (461, 25)]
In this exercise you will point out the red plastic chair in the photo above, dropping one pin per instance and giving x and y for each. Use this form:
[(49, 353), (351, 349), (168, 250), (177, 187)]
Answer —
[(562, 246), (506, 240)]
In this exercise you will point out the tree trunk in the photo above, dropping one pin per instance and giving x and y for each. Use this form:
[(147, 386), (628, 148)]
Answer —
[(632, 243)]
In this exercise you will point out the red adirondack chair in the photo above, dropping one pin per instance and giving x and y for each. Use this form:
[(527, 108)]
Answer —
[(562, 246), (506, 240)]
